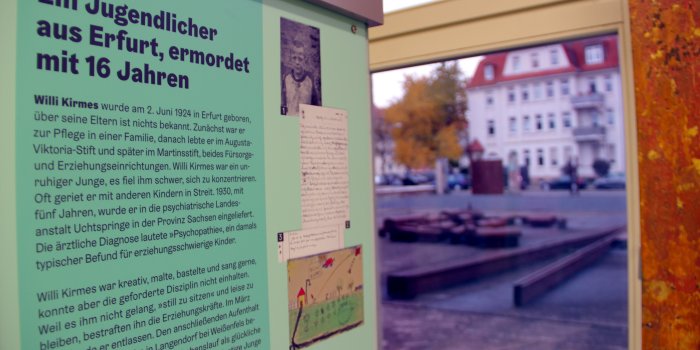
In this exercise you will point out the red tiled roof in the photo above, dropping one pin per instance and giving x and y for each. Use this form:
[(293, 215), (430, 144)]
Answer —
[(498, 61), (609, 43), (574, 51)]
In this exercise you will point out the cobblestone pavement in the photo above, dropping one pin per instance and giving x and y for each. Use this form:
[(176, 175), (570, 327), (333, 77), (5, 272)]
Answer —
[(588, 312), (589, 201), (411, 327)]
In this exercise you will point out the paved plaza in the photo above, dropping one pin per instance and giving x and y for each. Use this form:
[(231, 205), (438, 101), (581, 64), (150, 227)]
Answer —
[(588, 311)]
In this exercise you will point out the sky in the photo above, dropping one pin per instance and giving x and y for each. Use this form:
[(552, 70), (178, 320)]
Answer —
[(395, 5), (387, 86)]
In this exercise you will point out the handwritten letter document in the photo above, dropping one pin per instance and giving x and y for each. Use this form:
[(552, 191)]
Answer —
[(324, 166), (325, 204)]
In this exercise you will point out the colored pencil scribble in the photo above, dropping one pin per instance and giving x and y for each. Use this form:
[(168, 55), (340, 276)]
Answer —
[(325, 295)]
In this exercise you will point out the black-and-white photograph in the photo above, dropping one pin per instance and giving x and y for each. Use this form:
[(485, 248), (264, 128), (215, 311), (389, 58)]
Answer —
[(300, 59)]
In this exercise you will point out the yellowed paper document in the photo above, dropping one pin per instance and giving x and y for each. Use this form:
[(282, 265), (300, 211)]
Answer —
[(325, 198), (324, 166)]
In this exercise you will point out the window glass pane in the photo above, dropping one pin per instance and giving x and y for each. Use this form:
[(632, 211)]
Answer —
[(566, 119), (554, 57), (594, 54), (564, 87), (535, 60), (553, 156), (552, 122), (537, 94), (489, 72), (551, 136)]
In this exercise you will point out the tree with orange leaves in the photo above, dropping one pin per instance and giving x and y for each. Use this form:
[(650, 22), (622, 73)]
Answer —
[(428, 119)]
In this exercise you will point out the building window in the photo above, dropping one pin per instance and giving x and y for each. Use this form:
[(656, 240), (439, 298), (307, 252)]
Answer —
[(537, 91), (552, 122), (567, 153), (512, 125), (540, 157), (608, 83), (526, 157), (538, 122), (489, 100), (564, 87), (595, 118), (611, 116), (594, 54), (491, 128), (566, 119), (549, 89), (554, 57), (611, 153), (592, 86), (511, 94), (526, 123), (535, 60), (489, 72), (553, 157), (513, 156), (525, 93), (516, 63)]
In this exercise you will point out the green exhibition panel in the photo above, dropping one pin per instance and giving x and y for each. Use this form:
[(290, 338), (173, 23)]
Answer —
[(186, 175)]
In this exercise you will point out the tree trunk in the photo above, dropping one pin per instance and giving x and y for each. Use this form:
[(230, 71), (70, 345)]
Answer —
[(440, 175)]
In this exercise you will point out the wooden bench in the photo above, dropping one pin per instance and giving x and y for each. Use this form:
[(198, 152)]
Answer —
[(463, 216), (540, 220), (494, 222), (390, 224), (408, 283), (462, 234), (539, 282), (500, 237), (417, 233), (426, 228), (426, 232)]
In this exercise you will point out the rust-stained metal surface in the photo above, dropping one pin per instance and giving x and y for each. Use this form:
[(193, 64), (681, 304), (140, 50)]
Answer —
[(666, 51)]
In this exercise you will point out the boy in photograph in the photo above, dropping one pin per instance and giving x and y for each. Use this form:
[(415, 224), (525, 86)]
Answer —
[(298, 86)]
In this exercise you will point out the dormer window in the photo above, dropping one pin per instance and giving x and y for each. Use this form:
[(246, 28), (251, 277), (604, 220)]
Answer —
[(516, 63), (489, 73), (594, 54)]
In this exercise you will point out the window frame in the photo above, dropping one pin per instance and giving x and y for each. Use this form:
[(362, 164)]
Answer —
[(594, 54)]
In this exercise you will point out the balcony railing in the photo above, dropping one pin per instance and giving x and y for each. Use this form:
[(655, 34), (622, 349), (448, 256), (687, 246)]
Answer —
[(588, 101), (589, 133)]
